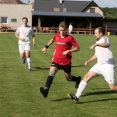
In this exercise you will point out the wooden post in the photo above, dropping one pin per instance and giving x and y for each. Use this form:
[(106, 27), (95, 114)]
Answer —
[(90, 25), (39, 23), (106, 29)]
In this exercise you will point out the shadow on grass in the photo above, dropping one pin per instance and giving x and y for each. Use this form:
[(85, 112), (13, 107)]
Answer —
[(102, 100), (39, 68), (60, 99), (78, 66), (98, 93), (93, 93), (99, 88)]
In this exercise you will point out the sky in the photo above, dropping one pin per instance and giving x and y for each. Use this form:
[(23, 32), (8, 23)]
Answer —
[(100, 3)]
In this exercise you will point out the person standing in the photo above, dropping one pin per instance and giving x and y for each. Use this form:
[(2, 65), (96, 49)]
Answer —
[(70, 28), (23, 34), (61, 57), (105, 65)]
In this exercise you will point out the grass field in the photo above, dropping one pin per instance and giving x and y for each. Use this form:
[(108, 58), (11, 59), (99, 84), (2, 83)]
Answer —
[(19, 89)]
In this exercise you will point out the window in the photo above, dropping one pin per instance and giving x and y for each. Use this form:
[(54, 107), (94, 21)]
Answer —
[(56, 9), (13, 20), (4, 20), (64, 9), (92, 10)]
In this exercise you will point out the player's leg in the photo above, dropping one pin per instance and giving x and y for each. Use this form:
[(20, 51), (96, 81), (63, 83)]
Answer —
[(22, 53), (84, 82), (113, 87), (108, 71), (93, 72), (75, 79), (69, 77), (53, 70), (82, 86), (27, 53), (28, 60)]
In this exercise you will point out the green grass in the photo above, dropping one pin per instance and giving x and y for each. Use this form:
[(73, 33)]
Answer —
[(19, 89)]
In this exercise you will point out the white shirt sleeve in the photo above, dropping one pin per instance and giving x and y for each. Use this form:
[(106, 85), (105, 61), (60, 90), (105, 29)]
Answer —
[(106, 40), (17, 31)]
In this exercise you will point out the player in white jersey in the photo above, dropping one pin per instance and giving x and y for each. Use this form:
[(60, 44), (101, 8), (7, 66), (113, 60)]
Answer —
[(70, 28), (105, 65), (23, 34)]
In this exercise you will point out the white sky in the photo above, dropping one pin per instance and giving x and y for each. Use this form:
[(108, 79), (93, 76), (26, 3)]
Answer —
[(100, 3)]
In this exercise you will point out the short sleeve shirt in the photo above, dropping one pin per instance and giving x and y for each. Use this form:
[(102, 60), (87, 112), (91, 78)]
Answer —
[(25, 33), (61, 45), (104, 55)]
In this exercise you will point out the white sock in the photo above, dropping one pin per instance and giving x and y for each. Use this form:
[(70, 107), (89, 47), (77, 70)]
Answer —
[(29, 62), (81, 88)]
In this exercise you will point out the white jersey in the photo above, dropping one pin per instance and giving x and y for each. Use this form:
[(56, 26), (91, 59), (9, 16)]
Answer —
[(70, 27), (24, 32), (104, 55)]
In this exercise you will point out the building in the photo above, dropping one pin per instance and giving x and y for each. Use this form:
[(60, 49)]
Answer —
[(12, 11), (80, 13), (110, 25), (85, 15)]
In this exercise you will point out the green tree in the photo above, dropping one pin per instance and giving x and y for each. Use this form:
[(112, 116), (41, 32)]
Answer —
[(110, 12)]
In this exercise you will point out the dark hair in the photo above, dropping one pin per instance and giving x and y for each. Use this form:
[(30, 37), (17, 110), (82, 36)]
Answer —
[(25, 18), (101, 30)]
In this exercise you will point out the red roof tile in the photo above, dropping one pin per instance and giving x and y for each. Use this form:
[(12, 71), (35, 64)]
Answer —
[(11, 2)]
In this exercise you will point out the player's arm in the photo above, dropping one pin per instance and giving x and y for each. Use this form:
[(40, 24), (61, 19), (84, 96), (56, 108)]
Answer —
[(19, 37), (34, 40), (75, 49), (47, 46), (105, 45), (93, 58)]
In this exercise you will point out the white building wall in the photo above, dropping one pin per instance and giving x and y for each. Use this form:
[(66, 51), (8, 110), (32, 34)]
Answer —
[(97, 10), (16, 11)]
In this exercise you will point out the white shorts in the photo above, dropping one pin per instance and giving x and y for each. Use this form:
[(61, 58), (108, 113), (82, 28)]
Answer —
[(23, 47), (106, 70)]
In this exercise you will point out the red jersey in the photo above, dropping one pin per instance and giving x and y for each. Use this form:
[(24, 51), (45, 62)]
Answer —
[(63, 44)]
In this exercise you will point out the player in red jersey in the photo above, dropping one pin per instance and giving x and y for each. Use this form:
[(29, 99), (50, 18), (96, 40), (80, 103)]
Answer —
[(61, 57)]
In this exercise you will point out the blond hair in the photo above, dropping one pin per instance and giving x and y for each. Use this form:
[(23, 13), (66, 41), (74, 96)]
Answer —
[(63, 25)]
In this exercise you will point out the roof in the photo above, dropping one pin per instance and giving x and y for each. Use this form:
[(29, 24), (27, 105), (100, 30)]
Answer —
[(70, 5), (67, 14), (11, 2)]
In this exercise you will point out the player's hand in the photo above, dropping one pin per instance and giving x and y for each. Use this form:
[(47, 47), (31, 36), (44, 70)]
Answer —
[(44, 50), (92, 47), (86, 63), (22, 39), (66, 52)]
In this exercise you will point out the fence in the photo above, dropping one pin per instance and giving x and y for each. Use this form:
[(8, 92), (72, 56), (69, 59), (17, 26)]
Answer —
[(6, 28), (108, 31)]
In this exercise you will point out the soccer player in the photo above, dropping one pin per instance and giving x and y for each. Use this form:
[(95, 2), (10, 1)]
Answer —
[(61, 57), (23, 33), (70, 28), (105, 64)]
